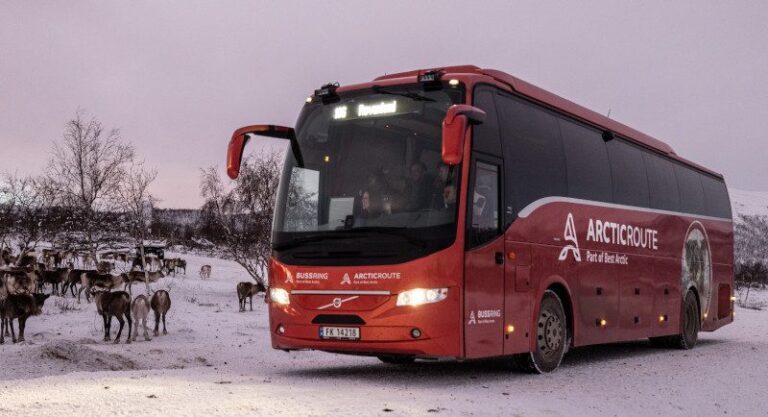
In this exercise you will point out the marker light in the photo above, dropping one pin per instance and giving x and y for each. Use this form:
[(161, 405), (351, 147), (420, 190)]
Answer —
[(327, 158), (510, 328), (662, 318), (706, 315), (733, 298), (453, 83), (309, 99), (279, 296), (603, 323), (419, 296)]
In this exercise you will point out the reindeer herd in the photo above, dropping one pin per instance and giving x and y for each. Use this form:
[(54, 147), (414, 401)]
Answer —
[(23, 282)]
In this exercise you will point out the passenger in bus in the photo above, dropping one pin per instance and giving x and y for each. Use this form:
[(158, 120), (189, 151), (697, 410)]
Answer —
[(367, 209), (449, 198), (444, 178), (419, 187)]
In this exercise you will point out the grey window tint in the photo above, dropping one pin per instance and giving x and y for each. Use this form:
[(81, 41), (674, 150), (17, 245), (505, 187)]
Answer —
[(661, 183), (630, 185), (485, 136), (533, 152), (485, 204), (589, 175), (691, 193), (716, 197)]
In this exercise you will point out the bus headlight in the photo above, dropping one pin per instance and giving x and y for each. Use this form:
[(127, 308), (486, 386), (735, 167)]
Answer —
[(279, 296), (419, 296)]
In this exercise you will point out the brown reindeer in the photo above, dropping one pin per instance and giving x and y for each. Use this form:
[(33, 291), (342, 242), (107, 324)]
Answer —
[(248, 290), (105, 267), (181, 265), (161, 303), (73, 279), (140, 310), (20, 280), (55, 278), (205, 271), (117, 304), (93, 279), (20, 307), (138, 276)]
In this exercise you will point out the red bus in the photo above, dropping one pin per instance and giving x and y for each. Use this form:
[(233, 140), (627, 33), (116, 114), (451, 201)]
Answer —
[(464, 213)]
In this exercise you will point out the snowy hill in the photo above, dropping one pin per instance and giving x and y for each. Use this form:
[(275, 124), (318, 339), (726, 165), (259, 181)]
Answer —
[(748, 202)]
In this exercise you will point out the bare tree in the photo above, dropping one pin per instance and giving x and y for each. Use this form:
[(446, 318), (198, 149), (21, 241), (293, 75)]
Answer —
[(242, 212), (31, 201), (87, 167), (136, 203), (751, 238)]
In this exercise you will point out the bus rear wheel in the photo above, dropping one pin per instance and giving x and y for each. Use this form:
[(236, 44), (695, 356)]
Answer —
[(551, 337), (690, 324), (397, 359)]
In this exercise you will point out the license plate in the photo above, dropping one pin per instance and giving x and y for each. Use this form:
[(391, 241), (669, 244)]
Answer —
[(345, 333)]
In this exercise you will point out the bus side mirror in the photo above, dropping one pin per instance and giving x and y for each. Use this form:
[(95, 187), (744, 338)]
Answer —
[(457, 120), (241, 136)]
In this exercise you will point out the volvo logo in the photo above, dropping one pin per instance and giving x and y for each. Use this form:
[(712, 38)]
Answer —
[(337, 302)]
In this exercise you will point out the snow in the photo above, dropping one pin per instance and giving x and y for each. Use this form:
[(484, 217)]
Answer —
[(217, 361)]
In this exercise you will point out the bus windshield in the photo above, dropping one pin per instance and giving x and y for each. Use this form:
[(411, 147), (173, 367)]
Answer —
[(372, 171)]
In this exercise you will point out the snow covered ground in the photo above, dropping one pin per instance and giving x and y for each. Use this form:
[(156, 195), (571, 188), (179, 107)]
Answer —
[(216, 361)]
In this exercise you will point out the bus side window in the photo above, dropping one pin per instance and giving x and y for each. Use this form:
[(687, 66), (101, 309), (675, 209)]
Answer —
[(485, 221)]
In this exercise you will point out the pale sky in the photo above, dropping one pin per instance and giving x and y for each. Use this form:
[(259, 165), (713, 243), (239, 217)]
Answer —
[(178, 77)]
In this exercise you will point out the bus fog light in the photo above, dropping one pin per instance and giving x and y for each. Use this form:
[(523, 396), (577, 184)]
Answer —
[(279, 296), (415, 333), (419, 296), (281, 329)]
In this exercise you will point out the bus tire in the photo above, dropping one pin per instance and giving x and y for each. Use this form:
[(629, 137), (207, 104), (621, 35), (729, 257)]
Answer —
[(689, 327), (690, 323), (551, 337), (397, 359)]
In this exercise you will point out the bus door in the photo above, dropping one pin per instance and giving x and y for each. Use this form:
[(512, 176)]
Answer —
[(484, 260)]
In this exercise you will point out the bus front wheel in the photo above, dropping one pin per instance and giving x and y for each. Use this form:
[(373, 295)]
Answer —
[(551, 337)]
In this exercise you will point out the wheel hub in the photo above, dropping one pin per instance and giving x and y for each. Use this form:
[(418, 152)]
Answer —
[(550, 332)]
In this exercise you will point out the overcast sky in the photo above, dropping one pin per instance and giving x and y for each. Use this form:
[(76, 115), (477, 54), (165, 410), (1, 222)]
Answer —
[(178, 77)]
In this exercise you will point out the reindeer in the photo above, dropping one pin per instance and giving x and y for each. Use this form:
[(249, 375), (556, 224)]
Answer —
[(20, 280), (248, 290), (181, 264), (72, 280), (105, 267), (20, 307), (55, 278), (205, 271), (169, 265), (117, 304), (122, 257), (161, 303), (87, 260), (139, 276), (140, 310), (106, 282)]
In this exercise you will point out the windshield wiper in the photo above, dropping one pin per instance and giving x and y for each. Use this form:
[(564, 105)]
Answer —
[(409, 94)]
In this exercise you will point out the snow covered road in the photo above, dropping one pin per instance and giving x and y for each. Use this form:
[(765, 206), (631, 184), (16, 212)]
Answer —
[(216, 361)]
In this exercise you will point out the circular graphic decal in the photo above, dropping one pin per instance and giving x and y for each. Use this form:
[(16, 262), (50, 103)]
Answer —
[(697, 263)]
